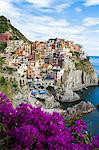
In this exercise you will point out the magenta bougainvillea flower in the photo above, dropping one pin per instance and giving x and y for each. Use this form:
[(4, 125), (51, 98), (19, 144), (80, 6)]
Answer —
[(29, 128)]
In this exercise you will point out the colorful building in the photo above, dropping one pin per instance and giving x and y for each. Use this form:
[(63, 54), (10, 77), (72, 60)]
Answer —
[(5, 37)]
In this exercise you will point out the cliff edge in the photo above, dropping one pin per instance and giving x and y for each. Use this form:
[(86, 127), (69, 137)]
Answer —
[(79, 73)]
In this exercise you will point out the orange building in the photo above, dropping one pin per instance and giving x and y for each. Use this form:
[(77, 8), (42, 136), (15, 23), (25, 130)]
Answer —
[(30, 73)]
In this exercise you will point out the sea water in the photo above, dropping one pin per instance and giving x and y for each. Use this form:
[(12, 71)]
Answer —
[(92, 95)]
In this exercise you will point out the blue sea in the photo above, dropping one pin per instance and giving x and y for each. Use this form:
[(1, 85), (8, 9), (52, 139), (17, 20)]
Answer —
[(92, 95), (95, 62)]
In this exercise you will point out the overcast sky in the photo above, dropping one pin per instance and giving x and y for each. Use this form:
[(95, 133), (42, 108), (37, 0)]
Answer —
[(76, 20)]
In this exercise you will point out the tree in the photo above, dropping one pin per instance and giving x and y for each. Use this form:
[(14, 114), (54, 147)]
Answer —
[(10, 70), (3, 45), (3, 81), (15, 86), (1, 62), (50, 88)]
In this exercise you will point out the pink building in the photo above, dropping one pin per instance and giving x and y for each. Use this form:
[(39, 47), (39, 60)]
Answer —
[(77, 47), (4, 37), (58, 73)]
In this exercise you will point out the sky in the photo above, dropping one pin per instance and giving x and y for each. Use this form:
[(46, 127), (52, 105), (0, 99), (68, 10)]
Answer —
[(74, 20)]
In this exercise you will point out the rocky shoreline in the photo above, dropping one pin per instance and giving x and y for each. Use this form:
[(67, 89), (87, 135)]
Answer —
[(80, 109), (84, 86), (75, 78), (51, 103)]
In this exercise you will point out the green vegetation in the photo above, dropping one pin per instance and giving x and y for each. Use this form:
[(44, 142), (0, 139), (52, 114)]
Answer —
[(10, 70), (1, 62), (3, 45), (50, 88), (75, 54), (7, 90), (2, 81), (5, 26), (15, 86), (7, 87), (84, 65), (17, 35)]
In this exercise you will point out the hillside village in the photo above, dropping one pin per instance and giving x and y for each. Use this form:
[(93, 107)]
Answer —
[(39, 60), (39, 66), (49, 75)]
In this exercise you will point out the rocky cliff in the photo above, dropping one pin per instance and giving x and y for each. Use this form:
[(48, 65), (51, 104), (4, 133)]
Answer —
[(79, 74)]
